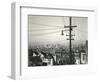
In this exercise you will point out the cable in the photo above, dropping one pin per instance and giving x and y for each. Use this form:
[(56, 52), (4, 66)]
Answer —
[(59, 31), (80, 30), (46, 33), (46, 25), (45, 29)]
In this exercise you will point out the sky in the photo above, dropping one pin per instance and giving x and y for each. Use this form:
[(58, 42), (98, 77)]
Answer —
[(47, 29)]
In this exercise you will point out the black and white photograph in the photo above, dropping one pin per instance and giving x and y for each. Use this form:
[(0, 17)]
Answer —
[(57, 40)]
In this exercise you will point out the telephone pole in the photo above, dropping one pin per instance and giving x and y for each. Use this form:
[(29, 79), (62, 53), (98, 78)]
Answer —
[(70, 38)]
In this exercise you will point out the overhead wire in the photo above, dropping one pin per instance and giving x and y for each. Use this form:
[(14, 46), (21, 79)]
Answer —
[(46, 25), (40, 29)]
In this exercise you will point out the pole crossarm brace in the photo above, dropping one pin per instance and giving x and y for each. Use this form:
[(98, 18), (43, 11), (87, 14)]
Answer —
[(71, 35), (70, 39), (69, 26)]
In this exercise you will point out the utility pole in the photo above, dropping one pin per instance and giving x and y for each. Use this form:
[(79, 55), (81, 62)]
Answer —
[(70, 38)]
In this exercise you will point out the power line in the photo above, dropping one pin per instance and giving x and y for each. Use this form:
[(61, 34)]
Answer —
[(53, 29), (45, 29), (81, 30), (46, 25), (46, 33), (50, 28), (40, 34)]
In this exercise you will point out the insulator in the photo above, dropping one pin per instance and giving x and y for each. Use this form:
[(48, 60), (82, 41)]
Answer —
[(62, 33)]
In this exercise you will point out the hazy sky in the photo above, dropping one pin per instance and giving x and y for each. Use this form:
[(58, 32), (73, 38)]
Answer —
[(47, 29)]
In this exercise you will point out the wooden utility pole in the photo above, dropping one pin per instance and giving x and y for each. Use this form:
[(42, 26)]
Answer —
[(70, 38)]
